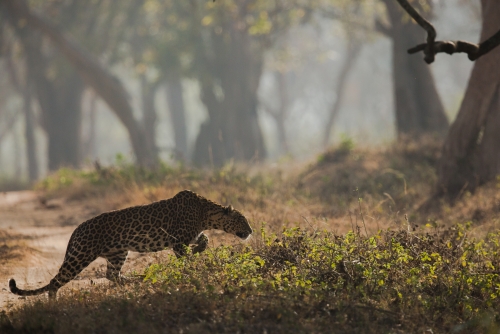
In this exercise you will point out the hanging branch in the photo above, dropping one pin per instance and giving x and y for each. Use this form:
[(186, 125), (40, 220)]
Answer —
[(432, 47)]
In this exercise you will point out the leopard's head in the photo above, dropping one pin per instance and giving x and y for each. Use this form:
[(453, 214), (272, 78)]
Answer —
[(235, 223)]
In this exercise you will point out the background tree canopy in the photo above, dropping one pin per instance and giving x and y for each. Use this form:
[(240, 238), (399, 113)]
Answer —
[(241, 80)]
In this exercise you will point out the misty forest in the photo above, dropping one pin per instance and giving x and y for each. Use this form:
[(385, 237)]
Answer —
[(347, 149)]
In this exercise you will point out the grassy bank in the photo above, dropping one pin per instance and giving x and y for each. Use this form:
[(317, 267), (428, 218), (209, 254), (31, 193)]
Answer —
[(296, 281), (340, 245)]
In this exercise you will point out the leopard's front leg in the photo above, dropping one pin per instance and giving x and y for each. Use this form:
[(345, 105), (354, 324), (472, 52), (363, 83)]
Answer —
[(201, 243)]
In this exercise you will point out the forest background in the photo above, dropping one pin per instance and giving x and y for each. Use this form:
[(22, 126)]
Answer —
[(206, 83)]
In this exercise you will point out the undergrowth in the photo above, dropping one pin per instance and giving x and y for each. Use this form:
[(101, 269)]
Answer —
[(313, 268), (300, 281)]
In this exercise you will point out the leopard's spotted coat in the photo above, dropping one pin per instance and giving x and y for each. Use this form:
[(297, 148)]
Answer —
[(175, 222)]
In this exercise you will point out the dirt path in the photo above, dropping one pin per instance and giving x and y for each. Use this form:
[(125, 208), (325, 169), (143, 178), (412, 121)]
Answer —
[(34, 234)]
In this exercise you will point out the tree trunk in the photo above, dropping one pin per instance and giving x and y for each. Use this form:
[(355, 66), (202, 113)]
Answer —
[(417, 104), (62, 120), (17, 156), (60, 101), (471, 150), (280, 113), (106, 85), (148, 92), (352, 53), (89, 150), (175, 101), (232, 131), (283, 108), (29, 127), (29, 132)]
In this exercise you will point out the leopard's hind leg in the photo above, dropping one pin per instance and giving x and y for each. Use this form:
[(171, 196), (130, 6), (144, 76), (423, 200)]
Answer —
[(72, 266)]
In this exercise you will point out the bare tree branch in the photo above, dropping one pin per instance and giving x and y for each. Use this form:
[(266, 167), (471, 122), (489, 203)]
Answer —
[(431, 32), (432, 47)]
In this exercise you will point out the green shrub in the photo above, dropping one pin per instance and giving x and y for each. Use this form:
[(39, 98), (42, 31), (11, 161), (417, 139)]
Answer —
[(301, 281)]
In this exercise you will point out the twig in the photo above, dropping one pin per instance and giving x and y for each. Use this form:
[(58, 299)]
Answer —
[(487, 273), (350, 218), (361, 213), (307, 221)]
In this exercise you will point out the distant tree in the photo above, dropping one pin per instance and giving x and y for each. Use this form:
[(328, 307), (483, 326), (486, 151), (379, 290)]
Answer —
[(352, 51), (231, 39), (105, 84), (280, 112), (24, 87), (59, 92), (470, 153), (417, 104), (162, 45)]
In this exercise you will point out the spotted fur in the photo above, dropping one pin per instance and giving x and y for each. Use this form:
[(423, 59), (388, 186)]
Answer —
[(175, 222)]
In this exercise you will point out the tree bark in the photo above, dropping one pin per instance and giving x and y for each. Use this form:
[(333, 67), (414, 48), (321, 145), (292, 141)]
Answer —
[(281, 115), (418, 107), (106, 85), (471, 150), (352, 53), (232, 130), (175, 101), (148, 90), (89, 150), (29, 132), (17, 157), (62, 120)]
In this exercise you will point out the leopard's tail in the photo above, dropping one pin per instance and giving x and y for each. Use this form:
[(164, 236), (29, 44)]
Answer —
[(15, 290)]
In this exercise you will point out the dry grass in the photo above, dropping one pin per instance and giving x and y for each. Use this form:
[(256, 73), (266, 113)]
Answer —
[(345, 189), (13, 247)]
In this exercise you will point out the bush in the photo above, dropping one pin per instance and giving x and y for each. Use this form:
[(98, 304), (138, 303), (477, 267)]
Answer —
[(299, 281)]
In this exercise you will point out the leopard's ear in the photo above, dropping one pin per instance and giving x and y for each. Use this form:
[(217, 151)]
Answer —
[(228, 209)]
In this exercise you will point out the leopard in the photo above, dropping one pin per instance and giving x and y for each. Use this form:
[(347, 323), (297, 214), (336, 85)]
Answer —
[(176, 223)]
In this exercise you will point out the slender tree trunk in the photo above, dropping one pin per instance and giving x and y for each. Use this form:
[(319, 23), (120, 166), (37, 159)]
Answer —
[(89, 146), (281, 115), (17, 156), (471, 151), (62, 122), (417, 104), (353, 50), (29, 132), (208, 148), (175, 101), (148, 91), (29, 126)]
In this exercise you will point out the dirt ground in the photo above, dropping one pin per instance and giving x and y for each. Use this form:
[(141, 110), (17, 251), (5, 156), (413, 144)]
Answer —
[(34, 234)]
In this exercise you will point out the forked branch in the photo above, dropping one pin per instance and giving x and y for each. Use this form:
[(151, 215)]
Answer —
[(432, 47)]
